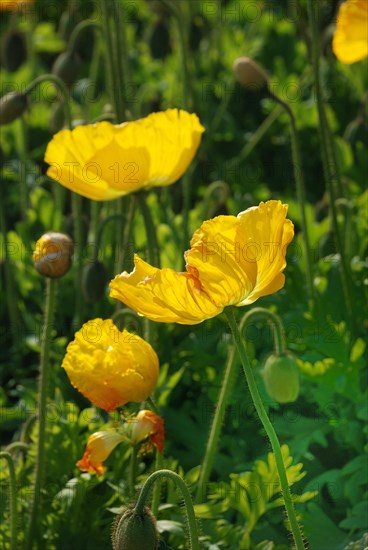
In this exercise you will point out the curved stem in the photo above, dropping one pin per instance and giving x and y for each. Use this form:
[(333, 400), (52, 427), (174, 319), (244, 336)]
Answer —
[(180, 483), (300, 192), (226, 388), (128, 313), (41, 413), (60, 86), (78, 29), (156, 494), (12, 498), (267, 425)]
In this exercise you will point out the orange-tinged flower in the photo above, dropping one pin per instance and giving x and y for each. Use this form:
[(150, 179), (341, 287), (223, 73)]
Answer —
[(147, 424), (14, 5), (99, 447), (232, 261), (110, 367), (350, 41), (104, 161)]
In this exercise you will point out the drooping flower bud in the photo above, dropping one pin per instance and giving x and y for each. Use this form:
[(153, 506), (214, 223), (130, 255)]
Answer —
[(281, 377), (94, 281), (13, 50), (67, 67), (12, 106), (57, 117), (249, 74), (135, 531), (52, 255)]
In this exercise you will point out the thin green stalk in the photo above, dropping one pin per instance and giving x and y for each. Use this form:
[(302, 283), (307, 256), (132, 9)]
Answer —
[(124, 248), (226, 389), (78, 256), (156, 493), (153, 251), (12, 499), (23, 157), (10, 294), (187, 103), (215, 431), (180, 483), (300, 193), (34, 524), (187, 99), (256, 137), (133, 469), (267, 425), (110, 68), (127, 313), (330, 167)]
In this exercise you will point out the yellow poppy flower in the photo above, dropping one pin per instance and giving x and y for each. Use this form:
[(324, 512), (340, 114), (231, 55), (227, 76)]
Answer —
[(147, 424), (232, 261), (104, 161), (110, 367), (99, 447), (350, 41)]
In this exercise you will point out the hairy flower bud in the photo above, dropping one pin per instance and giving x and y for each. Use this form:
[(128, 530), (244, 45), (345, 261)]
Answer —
[(135, 531), (94, 281), (281, 378), (52, 255), (12, 106), (249, 74)]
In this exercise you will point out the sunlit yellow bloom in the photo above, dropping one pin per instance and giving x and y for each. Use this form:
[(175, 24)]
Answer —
[(14, 5), (110, 367), (350, 41), (147, 424), (232, 261), (104, 161), (99, 447)]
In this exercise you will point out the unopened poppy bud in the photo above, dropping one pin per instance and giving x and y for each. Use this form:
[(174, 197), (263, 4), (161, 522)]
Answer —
[(94, 281), (135, 531), (52, 255), (67, 67), (13, 50), (12, 106), (249, 74), (159, 40), (57, 117), (281, 378)]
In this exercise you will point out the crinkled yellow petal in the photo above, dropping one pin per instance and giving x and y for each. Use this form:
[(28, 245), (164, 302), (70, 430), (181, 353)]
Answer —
[(99, 446), (232, 261), (110, 367), (350, 40), (163, 294), (217, 258), (266, 234), (103, 161)]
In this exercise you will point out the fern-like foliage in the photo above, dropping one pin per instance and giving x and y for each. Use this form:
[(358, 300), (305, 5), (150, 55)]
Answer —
[(254, 493)]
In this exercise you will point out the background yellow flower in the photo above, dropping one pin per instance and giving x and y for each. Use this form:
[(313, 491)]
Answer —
[(350, 41), (110, 367), (104, 161), (232, 261), (14, 5)]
